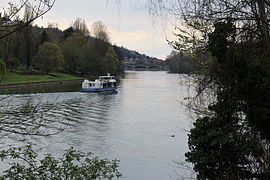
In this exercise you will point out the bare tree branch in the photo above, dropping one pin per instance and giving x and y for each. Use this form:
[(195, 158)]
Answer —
[(13, 15)]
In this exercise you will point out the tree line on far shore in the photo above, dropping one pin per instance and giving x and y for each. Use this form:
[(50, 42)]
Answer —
[(38, 50), (179, 62)]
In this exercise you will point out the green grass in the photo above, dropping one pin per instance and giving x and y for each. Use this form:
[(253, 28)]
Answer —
[(13, 78)]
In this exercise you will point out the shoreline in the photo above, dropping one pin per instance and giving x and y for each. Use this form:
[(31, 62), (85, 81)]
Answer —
[(36, 84)]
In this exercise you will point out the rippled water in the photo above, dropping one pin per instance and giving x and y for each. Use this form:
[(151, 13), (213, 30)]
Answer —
[(134, 125)]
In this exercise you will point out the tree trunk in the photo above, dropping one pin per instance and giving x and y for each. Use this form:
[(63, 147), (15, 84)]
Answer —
[(264, 28)]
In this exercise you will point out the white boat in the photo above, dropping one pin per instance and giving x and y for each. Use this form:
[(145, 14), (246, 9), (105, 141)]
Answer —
[(102, 84)]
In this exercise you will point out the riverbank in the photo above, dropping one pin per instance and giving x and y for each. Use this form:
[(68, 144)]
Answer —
[(15, 79), (15, 83)]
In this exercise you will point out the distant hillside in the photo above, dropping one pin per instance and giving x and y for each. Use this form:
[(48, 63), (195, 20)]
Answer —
[(131, 54), (127, 54)]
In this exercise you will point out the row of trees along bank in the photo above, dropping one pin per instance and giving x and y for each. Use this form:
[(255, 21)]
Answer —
[(37, 50), (178, 62)]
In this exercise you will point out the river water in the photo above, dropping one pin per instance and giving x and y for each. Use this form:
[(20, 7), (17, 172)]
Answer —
[(144, 125)]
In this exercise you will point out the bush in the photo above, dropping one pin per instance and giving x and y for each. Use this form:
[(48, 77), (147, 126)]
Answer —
[(72, 165), (3, 70), (13, 63), (48, 58)]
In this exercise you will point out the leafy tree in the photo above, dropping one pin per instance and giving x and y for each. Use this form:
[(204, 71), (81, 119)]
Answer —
[(77, 54), (49, 58), (12, 63), (179, 63), (68, 32), (3, 70), (28, 35), (230, 129), (109, 62), (44, 37), (72, 165), (120, 69)]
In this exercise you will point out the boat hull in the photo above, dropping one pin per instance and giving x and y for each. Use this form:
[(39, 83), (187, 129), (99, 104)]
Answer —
[(98, 90)]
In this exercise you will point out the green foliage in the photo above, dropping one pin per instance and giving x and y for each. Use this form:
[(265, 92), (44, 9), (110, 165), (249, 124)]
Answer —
[(221, 39), (3, 70), (178, 62), (109, 62), (44, 37), (13, 63), (82, 54), (72, 165), (230, 144), (68, 32), (77, 54), (86, 57), (49, 58), (218, 149)]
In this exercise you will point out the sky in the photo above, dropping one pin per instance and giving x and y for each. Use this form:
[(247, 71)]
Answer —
[(129, 23)]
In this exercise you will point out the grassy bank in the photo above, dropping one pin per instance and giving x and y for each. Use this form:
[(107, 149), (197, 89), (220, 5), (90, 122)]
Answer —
[(14, 78)]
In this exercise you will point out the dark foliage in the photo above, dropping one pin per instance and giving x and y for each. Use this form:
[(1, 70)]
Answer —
[(230, 143), (177, 62)]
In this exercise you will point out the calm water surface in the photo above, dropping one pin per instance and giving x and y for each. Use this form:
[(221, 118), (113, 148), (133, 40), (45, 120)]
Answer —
[(135, 125)]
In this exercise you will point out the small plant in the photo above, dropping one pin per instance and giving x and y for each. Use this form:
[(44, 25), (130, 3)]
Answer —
[(72, 165)]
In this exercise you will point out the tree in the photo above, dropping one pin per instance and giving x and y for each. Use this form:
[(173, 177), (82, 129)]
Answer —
[(238, 111), (234, 47), (100, 31), (180, 63), (109, 62), (101, 41), (12, 63), (44, 37), (3, 70), (120, 68), (67, 32), (28, 15), (223, 152), (49, 58), (77, 53), (80, 26)]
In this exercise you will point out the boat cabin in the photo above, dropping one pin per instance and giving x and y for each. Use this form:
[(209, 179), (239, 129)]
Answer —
[(104, 83)]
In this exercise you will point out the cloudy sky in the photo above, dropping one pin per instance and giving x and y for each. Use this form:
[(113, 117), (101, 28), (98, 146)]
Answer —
[(129, 23)]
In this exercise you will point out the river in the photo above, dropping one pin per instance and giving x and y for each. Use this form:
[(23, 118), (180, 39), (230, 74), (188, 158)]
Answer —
[(144, 125)]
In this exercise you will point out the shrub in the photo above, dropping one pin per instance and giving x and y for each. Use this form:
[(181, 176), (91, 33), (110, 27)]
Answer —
[(72, 165), (13, 63)]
